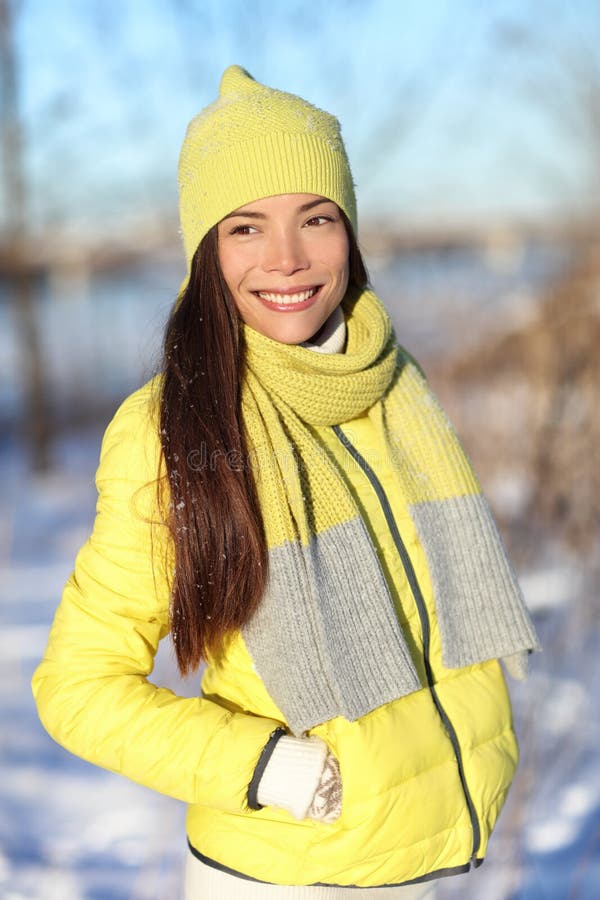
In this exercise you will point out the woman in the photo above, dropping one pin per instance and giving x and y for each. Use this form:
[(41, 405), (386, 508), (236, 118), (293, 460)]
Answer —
[(289, 501)]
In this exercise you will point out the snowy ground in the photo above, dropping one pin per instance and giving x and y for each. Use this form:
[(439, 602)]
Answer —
[(69, 831)]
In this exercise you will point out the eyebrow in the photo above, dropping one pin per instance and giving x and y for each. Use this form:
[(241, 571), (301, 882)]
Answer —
[(258, 215)]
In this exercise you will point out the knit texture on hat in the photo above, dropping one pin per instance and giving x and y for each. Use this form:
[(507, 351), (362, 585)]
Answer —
[(255, 142)]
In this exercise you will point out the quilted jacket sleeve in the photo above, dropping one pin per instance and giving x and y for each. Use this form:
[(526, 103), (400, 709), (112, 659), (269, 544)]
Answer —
[(91, 688)]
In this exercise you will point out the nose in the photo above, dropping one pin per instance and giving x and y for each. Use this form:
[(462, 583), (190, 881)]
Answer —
[(284, 252)]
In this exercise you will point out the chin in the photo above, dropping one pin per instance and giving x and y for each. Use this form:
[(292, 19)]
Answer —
[(290, 333), (286, 338), (294, 337)]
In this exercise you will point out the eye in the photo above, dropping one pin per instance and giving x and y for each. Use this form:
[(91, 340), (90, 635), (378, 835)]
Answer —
[(319, 220), (243, 229)]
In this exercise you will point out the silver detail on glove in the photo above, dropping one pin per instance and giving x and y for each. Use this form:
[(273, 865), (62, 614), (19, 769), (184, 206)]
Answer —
[(326, 805)]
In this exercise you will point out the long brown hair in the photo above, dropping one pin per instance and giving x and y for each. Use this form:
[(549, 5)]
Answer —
[(213, 515)]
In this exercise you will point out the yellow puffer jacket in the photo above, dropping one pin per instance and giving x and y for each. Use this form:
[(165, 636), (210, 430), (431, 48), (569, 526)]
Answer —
[(424, 777)]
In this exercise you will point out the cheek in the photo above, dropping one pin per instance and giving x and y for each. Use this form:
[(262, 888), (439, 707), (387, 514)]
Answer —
[(236, 265), (342, 268), (340, 260), (227, 266)]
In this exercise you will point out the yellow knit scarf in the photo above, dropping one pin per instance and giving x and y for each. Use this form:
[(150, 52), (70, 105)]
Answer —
[(326, 639)]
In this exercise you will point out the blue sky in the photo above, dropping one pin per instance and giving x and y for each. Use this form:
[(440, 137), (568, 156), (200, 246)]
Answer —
[(447, 108)]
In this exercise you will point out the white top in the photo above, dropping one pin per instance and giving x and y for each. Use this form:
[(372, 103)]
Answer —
[(202, 882), (331, 337)]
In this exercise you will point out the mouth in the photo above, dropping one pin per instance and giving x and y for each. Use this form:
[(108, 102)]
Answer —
[(289, 300)]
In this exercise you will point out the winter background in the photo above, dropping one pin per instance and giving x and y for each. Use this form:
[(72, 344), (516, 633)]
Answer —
[(474, 133)]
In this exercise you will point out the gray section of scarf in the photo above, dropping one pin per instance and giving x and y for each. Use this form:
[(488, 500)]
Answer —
[(325, 639), (479, 606)]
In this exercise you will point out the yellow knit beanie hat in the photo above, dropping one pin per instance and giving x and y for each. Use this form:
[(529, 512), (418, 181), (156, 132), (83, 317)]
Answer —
[(254, 142)]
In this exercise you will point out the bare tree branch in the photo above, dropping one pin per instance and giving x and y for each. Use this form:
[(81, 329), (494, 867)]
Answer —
[(37, 422)]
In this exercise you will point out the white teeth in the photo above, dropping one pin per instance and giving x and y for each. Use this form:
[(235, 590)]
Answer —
[(287, 298)]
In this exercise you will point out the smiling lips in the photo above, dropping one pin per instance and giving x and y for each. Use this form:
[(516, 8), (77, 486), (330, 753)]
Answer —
[(291, 300)]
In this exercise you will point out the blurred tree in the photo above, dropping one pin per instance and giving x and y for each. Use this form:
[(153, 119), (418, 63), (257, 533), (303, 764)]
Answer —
[(525, 402), (36, 417), (559, 351), (559, 78)]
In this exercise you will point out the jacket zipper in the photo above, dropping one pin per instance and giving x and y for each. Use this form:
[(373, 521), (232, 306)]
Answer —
[(425, 625)]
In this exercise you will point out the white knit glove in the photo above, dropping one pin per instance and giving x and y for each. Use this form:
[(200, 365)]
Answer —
[(302, 777)]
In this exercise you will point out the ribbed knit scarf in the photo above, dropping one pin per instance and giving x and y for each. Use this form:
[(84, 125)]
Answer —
[(326, 639)]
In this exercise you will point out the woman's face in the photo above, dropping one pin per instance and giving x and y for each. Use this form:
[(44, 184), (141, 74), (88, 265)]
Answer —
[(285, 262)]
